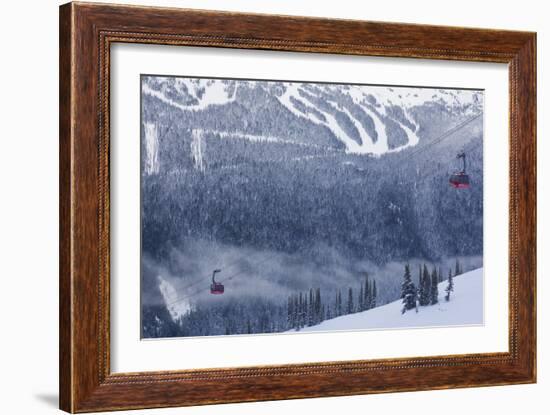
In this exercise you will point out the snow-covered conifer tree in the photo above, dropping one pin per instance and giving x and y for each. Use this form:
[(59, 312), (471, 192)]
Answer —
[(361, 299), (290, 312), (434, 292), (328, 314), (295, 313), (425, 287), (310, 309), (450, 287), (408, 291), (350, 308), (366, 294), (319, 308)]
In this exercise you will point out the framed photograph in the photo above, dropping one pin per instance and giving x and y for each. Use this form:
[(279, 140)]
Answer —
[(258, 207)]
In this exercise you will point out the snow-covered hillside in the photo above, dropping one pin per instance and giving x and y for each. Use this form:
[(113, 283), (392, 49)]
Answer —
[(464, 308), (175, 307), (365, 119)]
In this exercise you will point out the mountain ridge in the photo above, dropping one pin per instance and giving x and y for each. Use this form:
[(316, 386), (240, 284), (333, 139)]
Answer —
[(363, 119)]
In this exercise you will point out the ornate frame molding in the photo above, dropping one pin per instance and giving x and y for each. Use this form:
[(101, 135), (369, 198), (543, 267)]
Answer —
[(86, 34)]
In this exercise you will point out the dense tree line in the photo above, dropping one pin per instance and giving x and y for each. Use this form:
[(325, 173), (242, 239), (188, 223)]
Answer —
[(252, 315), (309, 309), (426, 293)]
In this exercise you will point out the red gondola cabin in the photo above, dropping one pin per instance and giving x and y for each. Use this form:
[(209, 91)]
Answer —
[(460, 180), (216, 287)]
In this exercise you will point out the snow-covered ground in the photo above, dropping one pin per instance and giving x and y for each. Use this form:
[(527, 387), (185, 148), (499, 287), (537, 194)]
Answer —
[(464, 308), (176, 307)]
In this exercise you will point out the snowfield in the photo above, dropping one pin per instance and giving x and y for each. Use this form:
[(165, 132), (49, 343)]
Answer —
[(464, 308), (175, 307)]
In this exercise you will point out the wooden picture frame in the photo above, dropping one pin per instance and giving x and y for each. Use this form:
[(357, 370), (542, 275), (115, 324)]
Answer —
[(86, 33)]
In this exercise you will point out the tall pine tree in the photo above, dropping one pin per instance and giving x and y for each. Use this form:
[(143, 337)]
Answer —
[(373, 295), (366, 294), (434, 292), (310, 308), (290, 312), (350, 308), (458, 268), (408, 291), (301, 316), (361, 299), (319, 310), (450, 287), (425, 287), (420, 281)]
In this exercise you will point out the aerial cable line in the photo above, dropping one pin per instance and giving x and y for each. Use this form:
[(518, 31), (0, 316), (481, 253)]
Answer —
[(221, 281), (201, 280), (416, 151), (443, 136), (235, 275)]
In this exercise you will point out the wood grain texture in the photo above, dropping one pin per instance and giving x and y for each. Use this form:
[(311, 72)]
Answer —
[(65, 246), (86, 33)]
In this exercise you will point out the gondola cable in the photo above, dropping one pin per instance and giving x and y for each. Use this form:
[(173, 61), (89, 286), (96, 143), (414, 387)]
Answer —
[(421, 149), (442, 137), (235, 275)]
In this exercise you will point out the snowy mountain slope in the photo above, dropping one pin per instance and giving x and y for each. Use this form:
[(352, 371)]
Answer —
[(464, 308), (189, 94), (364, 119), (249, 171), (170, 296)]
